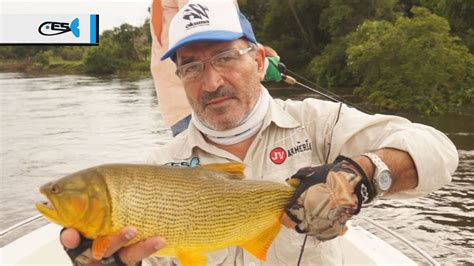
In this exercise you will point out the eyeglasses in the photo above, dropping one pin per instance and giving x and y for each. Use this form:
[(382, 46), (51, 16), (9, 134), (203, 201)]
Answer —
[(220, 62)]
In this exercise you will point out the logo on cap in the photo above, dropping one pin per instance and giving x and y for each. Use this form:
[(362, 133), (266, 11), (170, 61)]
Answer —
[(197, 15)]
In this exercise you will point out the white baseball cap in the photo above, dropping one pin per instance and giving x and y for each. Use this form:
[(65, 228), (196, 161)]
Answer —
[(207, 20)]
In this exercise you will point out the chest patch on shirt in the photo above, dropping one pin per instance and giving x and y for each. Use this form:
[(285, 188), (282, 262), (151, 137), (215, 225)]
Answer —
[(300, 147), (279, 155), (191, 163)]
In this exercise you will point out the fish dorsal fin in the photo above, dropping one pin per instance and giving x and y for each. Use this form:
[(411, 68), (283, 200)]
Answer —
[(235, 170), (259, 245)]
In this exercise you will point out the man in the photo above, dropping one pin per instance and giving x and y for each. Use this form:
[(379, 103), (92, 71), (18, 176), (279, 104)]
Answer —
[(176, 114), (235, 119)]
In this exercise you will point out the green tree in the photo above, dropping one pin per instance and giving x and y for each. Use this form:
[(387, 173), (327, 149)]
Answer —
[(255, 11), (412, 64), (102, 59), (71, 53), (342, 17), (125, 36), (122, 49), (459, 13), (21, 52), (330, 68), (142, 42), (6, 52), (290, 27), (44, 57), (339, 18)]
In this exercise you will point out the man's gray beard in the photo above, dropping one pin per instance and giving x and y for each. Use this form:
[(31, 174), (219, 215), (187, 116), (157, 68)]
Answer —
[(224, 91), (226, 127)]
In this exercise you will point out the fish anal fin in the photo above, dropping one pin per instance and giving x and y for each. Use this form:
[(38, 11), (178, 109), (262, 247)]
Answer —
[(191, 259), (235, 170), (259, 245)]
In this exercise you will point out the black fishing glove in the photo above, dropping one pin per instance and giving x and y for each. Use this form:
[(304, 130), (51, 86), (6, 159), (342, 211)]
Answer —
[(82, 255), (327, 196)]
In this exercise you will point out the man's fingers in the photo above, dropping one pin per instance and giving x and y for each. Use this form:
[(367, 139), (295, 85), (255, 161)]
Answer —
[(269, 52), (141, 250), (70, 238), (106, 246), (287, 222), (116, 241)]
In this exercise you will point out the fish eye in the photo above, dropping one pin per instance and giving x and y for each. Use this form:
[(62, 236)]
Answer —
[(54, 188)]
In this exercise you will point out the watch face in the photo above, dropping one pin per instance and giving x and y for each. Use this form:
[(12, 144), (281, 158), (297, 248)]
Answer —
[(384, 180)]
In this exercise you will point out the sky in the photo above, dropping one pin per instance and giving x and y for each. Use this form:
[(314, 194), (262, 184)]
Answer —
[(112, 13)]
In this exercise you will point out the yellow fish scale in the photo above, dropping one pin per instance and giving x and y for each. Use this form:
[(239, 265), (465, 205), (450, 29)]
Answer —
[(194, 209)]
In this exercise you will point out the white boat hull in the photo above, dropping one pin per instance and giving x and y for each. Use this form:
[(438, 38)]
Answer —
[(42, 247)]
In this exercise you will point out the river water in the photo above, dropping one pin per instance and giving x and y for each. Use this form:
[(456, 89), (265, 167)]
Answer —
[(53, 126)]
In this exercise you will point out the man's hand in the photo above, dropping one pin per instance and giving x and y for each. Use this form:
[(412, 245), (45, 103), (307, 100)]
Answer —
[(272, 73), (326, 197), (78, 248)]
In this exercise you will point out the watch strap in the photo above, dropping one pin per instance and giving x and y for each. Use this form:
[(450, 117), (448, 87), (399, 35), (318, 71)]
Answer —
[(379, 166), (378, 163)]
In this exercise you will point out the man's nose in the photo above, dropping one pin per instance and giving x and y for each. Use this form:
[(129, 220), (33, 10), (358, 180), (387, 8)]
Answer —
[(212, 79)]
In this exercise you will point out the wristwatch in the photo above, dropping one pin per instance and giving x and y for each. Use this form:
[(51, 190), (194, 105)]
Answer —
[(382, 179)]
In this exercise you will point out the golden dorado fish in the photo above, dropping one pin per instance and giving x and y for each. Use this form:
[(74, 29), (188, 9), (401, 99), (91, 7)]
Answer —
[(196, 210)]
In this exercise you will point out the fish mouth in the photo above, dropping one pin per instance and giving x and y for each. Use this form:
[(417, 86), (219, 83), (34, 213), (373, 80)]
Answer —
[(47, 209), (46, 204)]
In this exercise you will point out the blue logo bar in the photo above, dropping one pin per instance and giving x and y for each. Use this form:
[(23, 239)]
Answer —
[(94, 28)]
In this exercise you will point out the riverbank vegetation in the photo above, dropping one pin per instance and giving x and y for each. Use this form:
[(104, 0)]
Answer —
[(410, 55), (124, 51)]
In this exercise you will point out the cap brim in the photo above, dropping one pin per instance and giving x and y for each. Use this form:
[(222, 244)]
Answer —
[(209, 36)]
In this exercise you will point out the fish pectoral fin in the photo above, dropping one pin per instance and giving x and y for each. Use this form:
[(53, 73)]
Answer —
[(99, 246), (259, 245), (234, 170), (102, 243), (187, 258)]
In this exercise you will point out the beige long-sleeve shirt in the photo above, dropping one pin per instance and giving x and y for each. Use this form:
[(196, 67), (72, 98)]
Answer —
[(297, 134)]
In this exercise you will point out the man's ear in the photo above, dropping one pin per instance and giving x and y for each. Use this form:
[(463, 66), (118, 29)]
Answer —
[(260, 59)]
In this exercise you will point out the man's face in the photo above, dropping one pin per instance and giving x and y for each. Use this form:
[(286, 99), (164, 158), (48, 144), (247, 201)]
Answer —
[(222, 98)]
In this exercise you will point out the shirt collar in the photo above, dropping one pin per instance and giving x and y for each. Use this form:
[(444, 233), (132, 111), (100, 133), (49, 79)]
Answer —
[(279, 116), (192, 137)]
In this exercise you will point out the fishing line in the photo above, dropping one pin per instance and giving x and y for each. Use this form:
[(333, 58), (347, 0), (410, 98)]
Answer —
[(327, 94), (301, 251), (282, 67)]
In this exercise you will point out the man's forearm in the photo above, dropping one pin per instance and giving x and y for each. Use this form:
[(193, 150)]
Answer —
[(400, 164)]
